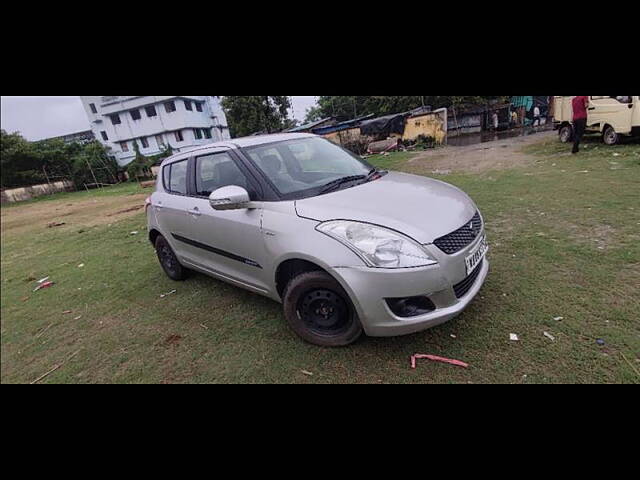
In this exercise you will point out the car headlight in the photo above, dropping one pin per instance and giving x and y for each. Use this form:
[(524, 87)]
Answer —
[(378, 246)]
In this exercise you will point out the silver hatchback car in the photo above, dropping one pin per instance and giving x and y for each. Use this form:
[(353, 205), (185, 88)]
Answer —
[(345, 247)]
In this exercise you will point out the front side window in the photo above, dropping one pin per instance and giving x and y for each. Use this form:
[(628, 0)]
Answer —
[(216, 171), (305, 165), (151, 111), (177, 177)]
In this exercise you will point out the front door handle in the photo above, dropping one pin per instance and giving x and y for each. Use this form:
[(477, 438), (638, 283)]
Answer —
[(194, 211)]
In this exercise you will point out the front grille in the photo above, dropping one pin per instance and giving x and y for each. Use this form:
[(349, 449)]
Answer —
[(465, 285), (460, 238)]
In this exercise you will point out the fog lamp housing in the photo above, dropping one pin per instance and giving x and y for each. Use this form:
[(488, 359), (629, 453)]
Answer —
[(410, 306)]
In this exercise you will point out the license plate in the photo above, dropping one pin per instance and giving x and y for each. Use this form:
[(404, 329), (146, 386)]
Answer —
[(476, 255)]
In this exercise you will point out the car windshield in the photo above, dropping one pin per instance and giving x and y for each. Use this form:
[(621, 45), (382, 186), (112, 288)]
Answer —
[(303, 167)]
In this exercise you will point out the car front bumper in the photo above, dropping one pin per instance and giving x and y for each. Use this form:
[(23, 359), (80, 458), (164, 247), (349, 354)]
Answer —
[(369, 287)]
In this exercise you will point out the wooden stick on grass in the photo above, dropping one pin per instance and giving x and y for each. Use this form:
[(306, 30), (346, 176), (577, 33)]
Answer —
[(55, 367)]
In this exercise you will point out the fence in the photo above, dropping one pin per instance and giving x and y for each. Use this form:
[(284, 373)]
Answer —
[(27, 193)]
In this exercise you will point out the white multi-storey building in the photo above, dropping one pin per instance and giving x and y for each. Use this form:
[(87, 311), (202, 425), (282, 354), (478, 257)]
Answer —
[(154, 123)]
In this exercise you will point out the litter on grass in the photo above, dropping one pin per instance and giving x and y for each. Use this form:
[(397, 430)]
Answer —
[(42, 280), (436, 358), (55, 224), (513, 337), (600, 341), (549, 336), (43, 285), (134, 233), (66, 312), (168, 293), (557, 319), (307, 373), (81, 265)]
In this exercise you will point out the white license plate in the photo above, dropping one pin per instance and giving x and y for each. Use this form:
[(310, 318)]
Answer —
[(476, 255)]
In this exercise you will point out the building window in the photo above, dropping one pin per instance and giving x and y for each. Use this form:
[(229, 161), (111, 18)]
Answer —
[(199, 106), (207, 132), (170, 106), (159, 140), (93, 108), (124, 146), (104, 136), (179, 137), (135, 114), (115, 119), (187, 105), (197, 133), (151, 111), (144, 142)]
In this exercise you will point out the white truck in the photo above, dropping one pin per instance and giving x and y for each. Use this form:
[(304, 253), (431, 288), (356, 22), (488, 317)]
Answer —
[(612, 117)]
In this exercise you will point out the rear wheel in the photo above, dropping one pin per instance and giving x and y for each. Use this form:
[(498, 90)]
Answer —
[(318, 309), (566, 133), (609, 136), (168, 260)]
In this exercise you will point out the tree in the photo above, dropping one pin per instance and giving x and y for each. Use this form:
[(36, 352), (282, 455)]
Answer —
[(18, 162), (252, 114), (140, 166)]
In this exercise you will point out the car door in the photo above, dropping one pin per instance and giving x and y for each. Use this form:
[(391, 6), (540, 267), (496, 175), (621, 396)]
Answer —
[(226, 243), (614, 111), (170, 205)]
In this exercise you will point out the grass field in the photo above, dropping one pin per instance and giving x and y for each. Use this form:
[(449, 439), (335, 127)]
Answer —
[(565, 242)]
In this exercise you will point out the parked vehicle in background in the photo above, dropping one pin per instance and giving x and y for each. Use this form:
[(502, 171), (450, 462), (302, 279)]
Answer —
[(612, 117), (345, 247)]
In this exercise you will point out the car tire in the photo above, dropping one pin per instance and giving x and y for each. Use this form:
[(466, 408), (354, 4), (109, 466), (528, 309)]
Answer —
[(169, 260), (610, 136), (566, 133), (319, 311)]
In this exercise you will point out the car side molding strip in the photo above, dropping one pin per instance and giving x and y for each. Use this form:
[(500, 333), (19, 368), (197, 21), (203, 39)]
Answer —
[(209, 248)]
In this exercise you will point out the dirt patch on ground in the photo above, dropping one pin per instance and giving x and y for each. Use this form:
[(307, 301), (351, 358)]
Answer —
[(86, 213), (476, 158)]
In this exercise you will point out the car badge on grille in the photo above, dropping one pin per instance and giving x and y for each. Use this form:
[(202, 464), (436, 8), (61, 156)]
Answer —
[(470, 225)]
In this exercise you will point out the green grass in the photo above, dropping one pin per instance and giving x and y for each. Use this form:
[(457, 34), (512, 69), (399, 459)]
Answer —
[(563, 243)]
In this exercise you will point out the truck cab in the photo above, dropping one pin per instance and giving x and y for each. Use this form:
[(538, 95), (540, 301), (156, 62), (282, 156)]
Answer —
[(611, 116)]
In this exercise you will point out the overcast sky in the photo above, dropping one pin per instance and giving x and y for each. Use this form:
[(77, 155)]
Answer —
[(43, 117)]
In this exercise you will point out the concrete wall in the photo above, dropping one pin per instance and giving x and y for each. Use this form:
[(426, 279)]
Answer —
[(433, 124), (27, 193)]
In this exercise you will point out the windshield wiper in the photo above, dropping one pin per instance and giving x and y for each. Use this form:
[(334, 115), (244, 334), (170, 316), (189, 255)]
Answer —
[(332, 185)]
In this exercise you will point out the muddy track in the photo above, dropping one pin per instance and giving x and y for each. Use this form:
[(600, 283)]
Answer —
[(500, 154)]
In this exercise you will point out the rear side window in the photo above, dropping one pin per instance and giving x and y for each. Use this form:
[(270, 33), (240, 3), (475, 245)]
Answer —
[(175, 177), (215, 171)]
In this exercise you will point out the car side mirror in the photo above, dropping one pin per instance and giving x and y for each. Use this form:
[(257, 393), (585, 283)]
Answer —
[(231, 197)]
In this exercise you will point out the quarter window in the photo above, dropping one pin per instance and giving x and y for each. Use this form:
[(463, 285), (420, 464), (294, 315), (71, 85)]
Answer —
[(177, 177), (216, 171)]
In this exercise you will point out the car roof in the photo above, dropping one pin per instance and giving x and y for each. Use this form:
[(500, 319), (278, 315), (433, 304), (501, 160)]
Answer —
[(242, 142)]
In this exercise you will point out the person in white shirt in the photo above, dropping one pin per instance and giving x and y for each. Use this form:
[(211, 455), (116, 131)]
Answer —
[(536, 115)]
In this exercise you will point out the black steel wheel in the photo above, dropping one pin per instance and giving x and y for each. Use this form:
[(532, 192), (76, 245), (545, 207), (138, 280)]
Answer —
[(168, 260), (319, 310), (609, 136)]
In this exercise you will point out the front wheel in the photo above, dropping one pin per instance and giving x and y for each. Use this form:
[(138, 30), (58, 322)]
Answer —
[(318, 309), (566, 133), (609, 136)]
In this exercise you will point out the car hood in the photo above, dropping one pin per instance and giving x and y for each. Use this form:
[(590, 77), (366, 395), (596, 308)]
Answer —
[(420, 207)]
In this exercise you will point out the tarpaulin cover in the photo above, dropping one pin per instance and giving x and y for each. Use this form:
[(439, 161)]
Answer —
[(383, 125)]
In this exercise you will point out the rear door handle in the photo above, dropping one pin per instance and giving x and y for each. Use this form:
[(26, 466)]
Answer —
[(194, 211)]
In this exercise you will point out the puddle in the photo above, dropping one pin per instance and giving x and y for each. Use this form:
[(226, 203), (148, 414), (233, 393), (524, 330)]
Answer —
[(484, 137)]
